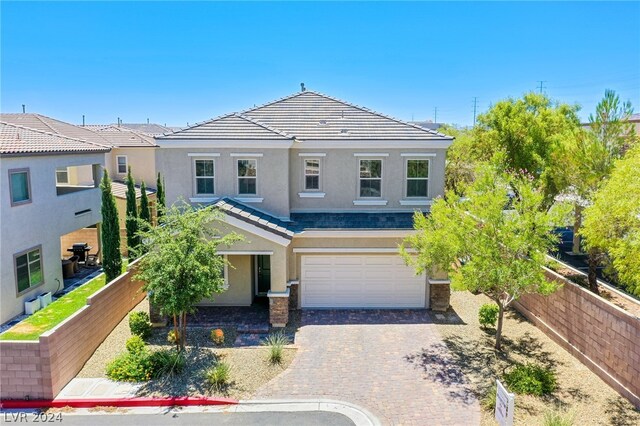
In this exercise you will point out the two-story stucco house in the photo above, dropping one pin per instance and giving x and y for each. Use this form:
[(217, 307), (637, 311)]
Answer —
[(323, 191), (38, 206)]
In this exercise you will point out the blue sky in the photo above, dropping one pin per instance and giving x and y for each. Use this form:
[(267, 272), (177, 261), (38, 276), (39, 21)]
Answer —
[(185, 62)]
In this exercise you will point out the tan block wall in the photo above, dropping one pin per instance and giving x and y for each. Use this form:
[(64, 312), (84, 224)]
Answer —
[(84, 235), (602, 336), (62, 352)]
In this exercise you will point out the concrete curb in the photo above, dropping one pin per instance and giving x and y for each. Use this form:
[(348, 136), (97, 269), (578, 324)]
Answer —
[(113, 402)]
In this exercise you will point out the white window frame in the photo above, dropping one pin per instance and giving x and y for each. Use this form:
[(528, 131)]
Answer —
[(238, 177), (407, 178), (196, 177), (304, 174), (126, 164), (360, 160), (60, 170), (15, 269)]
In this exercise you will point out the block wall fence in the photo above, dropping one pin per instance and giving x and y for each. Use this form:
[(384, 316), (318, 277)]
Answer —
[(601, 335), (39, 369)]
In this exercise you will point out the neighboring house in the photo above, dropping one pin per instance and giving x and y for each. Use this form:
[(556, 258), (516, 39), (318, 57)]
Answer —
[(128, 148), (427, 124), (48, 188), (323, 191)]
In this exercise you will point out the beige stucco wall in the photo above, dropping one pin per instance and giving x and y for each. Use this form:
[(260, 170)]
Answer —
[(272, 172), (240, 280), (141, 160), (41, 222), (339, 173)]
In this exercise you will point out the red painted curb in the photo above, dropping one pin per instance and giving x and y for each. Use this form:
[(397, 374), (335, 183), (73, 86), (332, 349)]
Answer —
[(114, 402)]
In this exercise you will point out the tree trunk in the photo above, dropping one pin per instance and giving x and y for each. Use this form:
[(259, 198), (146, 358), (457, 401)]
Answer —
[(175, 329), (183, 336), (499, 327), (593, 257), (577, 224)]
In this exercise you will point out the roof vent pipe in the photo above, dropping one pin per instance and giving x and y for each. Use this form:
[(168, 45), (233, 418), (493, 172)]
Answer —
[(23, 108), (302, 88), (82, 120)]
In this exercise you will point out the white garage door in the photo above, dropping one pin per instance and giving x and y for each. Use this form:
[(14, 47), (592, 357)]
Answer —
[(362, 281)]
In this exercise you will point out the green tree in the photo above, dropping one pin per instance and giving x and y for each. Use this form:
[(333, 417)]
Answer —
[(483, 246), (110, 231), (589, 159), (131, 221), (524, 135), (182, 266), (612, 222), (462, 158), (145, 210), (160, 197)]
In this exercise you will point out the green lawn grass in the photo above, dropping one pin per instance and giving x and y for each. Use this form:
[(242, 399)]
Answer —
[(45, 319)]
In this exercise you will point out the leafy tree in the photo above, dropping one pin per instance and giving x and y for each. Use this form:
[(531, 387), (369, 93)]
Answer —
[(131, 221), (483, 246), (110, 235), (462, 156), (612, 222), (182, 266), (160, 197), (524, 136), (589, 160)]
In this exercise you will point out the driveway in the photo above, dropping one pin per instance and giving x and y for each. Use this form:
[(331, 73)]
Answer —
[(374, 358)]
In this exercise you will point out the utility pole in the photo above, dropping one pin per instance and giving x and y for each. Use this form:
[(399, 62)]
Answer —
[(541, 85), (435, 115), (475, 108)]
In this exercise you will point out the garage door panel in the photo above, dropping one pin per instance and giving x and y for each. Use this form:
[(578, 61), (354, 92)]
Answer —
[(360, 281)]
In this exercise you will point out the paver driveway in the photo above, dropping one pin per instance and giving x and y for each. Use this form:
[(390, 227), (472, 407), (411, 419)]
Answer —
[(375, 359)]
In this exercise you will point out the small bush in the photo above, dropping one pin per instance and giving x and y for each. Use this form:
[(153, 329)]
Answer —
[(488, 314), (130, 367), (276, 343), (217, 336), (218, 375), (558, 418), (136, 345), (488, 402), (173, 337), (140, 324), (531, 379), (167, 362)]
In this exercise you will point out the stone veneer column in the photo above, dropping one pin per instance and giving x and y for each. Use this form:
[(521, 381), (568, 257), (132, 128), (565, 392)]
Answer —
[(439, 294), (294, 290), (278, 308)]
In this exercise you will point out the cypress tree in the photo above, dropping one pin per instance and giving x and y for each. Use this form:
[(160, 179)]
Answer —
[(160, 202), (110, 234), (145, 211), (132, 216)]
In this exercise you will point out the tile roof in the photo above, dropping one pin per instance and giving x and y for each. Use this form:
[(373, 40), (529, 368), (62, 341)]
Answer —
[(119, 189), (20, 140), (151, 129), (307, 115), (335, 221), (229, 126), (254, 217), (123, 137)]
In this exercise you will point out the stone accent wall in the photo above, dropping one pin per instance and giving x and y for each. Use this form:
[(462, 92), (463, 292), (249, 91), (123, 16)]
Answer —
[(602, 336), (439, 295), (294, 290), (279, 311), (40, 369)]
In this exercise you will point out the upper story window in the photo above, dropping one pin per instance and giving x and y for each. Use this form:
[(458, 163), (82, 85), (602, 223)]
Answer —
[(28, 266), (312, 175), (62, 175), (418, 178), (247, 176), (19, 186), (121, 161), (370, 178), (205, 174)]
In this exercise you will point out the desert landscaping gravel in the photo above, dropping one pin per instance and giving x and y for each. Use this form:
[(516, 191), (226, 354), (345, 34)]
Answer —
[(580, 393), (249, 366)]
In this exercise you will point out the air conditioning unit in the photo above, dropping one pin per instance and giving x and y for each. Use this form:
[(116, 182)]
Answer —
[(45, 299), (31, 306)]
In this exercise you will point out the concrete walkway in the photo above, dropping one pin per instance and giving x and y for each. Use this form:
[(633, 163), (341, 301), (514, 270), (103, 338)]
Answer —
[(98, 389), (374, 359)]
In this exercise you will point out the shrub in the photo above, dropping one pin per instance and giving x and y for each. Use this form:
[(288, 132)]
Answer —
[(276, 343), (218, 375), (217, 336), (173, 337), (488, 401), (531, 379), (488, 314), (140, 324), (167, 362), (136, 345), (129, 367), (557, 418)]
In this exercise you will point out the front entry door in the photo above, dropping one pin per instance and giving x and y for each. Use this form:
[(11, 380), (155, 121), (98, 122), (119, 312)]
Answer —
[(263, 273)]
